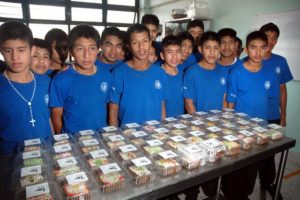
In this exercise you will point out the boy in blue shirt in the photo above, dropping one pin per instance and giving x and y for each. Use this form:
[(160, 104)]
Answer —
[(276, 104), (41, 57), (111, 44), (249, 88), (139, 88), (171, 55), (79, 95), (196, 29), (24, 112), (205, 83), (229, 45), (187, 45)]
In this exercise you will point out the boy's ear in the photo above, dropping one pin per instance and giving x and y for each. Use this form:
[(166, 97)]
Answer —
[(199, 49)]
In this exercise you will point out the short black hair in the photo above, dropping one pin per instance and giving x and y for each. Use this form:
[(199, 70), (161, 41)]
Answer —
[(185, 35), (13, 30), (195, 23), (256, 35), (55, 34), (111, 31), (209, 35), (150, 19), (43, 44), (153, 44), (136, 28), (170, 40), (85, 31), (270, 27), (227, 32)]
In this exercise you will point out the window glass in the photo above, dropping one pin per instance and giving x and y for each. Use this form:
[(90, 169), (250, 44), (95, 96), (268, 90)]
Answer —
[(120, 16), (122, 2), (47, 12), (40, 30), (11, 10), (89, 1), (87, 14)]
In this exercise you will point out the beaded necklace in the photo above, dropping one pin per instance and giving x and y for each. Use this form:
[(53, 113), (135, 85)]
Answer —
[(29, 102)]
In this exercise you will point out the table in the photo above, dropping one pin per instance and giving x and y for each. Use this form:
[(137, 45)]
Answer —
[(184, 180)]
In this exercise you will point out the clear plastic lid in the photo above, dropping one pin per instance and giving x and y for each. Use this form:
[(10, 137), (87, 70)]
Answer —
[(192, 156), (167, 163), (66, 166), (140, 170), (98, 158)]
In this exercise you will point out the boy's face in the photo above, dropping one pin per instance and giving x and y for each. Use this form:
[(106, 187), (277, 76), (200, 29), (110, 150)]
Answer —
[(152, 55), (111, 49), (210, 51), (186, 48), (40, 61), (140, 45), (17, 55), (196, 32), (228, 46), (85, 52), (153, 31), (272, 40), (256, 50), (171, 55)]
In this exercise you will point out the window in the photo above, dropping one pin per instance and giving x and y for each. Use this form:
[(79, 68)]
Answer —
[(11, 10), (86, 14), (47, 12), (40, 30), (122, 2), (120, 16), (89, 1)]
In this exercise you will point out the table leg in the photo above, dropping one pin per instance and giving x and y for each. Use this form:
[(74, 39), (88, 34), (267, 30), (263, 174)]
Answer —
[(283, 158), (219, 187)]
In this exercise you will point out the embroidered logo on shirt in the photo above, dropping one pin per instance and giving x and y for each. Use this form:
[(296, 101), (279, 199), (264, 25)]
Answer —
[(223, 81), (157, 84), (46, 99), (267, 85), (185, 88), (278, 70), (104, 87)]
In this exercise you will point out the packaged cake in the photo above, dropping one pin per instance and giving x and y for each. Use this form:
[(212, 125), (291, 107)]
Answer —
[(262, 138), (127, 132), (66, 166), (98, 158), (177, 132), (32, 158), (31, 175), (86, 135), (60, 139), (173, 145), (138, 135), (111, 178), (232, 148), (114, 141), (87, 146), (152, 150), (214, 149), (138, 142), (39, 191), (34, 145), (127, 152), (274, 134), (167, 166), (192, 156), (131, 126), (168, 120), (193, 140), (76, 187), (110, 129), (62, 151), (140, 172)]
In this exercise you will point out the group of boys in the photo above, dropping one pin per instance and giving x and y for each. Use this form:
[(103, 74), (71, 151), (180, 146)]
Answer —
[(197, 71)]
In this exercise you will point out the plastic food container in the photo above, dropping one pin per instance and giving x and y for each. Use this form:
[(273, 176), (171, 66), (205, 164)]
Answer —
[(98, 158), (167, 163), (111, 178), (140, 171), (192, 156), (126, 153), (66, 166), (34, 145), (214, 149)]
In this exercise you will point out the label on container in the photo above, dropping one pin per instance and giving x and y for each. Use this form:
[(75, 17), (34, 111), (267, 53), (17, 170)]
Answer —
[(227, 116), (138, 134), (154, 142), (192, 149), (212, 143), (37, 190), (132, 125), (260, 129), (170, 119), (178, 138), (257, 119), (31, 154), (98, 153), (61, 137), (243, 122), (241, 114), (196, 133), (212, 119), (62, 148), (90, 142), (230, 138), (215, 111), (214, 129), (110, 168), (127, 148), (186, 116), (142, 161), (74, 179), (110, 128), (201, 113), (35, 141), (86, 132), (247, 133), (152, 122), (115, 138), (161, 130), (228, 109), (167, 154), (197, 122), (66, 162), (179, 126), (275, 126), (27, 171)]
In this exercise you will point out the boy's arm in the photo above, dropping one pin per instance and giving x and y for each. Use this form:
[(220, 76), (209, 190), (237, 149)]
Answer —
[(113, 114), (283, 102), (225, 104), (189, 106), (56, 117), (163, 110), (230, 105)]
